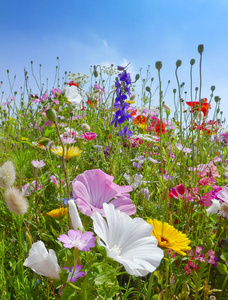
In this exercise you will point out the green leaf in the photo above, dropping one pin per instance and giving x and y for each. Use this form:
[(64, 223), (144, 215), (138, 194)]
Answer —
[(224, 256), (222, 268)]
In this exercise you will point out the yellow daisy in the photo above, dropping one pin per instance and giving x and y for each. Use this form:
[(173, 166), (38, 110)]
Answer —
[(68, 152), (169, 237), (58, 213)]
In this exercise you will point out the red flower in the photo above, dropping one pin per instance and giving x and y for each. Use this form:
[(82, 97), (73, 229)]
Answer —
[(140, 120), (72, 83), (196, 106)]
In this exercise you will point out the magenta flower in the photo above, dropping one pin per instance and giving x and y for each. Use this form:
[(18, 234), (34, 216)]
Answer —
[(94, 187), (89, 136), (74, 273), (38, 164), (75, 238)]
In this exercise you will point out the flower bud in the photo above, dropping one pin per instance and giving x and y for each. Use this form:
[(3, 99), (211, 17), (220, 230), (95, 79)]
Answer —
[(174, 91), (85, 127), (201, 101), (212, 88), (217, 98), (95, 73), (178, 63), (148, 89), (51, 114), (200, 48), (132, 98), (137, 77), (158, 65), (192, 61)]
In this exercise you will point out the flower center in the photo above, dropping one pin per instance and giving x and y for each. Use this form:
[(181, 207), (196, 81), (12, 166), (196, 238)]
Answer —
[(164, 240), (116, 249)]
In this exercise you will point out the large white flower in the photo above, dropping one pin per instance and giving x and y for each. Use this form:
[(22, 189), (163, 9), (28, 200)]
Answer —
[(73, 95), (128, 241), (43, 262)]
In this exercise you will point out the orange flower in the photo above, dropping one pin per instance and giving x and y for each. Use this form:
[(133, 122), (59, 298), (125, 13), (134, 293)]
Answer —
[(196, 106), (72, 83)]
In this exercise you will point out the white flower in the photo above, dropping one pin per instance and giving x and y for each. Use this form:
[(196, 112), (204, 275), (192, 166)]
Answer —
[(73, 95), (214, 208), (74, 215), (167, 107), (135, 181), (128, 241), (7, 175), (43, 262), (146, 137)]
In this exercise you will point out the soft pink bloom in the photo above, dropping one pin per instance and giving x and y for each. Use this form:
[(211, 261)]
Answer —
[(94, 187), (38, 164), (53, 179), (205, 200), (28, 188), (223, 194), (75, 238), (217, 159), (89, 136), (225, 136)]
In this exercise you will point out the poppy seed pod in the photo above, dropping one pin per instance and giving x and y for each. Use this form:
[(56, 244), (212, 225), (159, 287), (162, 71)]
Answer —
[(217, 98), (178, 63), (51, 114), (201, 101), (158, 65), (137, 77), (200, 48), (192, 61), (212, 88)]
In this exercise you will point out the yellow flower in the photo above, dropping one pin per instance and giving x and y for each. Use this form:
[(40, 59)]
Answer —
[(68, 152), (130, 102), (169, 237), (24, 139), (58, 213)]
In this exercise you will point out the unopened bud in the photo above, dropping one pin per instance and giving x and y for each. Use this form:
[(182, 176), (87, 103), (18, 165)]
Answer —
[(200, 48), (217, 98), (212, 88), (51, 114), (85, 127), (132, 97), (95, 73), (158, 65), (148, 89), (201, 101), (192, 61), (178, 63), (174, 91), (137, 76)]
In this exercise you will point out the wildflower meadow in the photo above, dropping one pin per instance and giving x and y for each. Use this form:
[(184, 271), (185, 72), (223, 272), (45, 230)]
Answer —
[(108, 192)]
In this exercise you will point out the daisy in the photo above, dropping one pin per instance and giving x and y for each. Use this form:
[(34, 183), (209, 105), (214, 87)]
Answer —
[(127, 241), (68, 152), (169, 237), (58, 213)]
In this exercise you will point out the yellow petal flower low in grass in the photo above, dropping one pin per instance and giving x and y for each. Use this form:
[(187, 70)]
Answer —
[(68, 152), (169, 237), (58, 213)]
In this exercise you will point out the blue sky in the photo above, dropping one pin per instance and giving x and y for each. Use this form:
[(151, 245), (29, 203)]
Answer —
[(84, 33)]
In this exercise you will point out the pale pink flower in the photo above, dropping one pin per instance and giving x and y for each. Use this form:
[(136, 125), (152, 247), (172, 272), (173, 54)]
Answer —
[(75, 238), (94, 187), (38, 164)]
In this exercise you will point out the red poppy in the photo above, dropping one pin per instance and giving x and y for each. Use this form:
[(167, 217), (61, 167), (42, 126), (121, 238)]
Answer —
[(196, 106), (72, 83), (91, 102), (156, 124), (140, 120)]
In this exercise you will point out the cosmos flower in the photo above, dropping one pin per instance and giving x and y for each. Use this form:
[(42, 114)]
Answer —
[(94, 187), (43, 262), (169, 237), (89, 136), (68, 152), (127, 241), (75, 238)]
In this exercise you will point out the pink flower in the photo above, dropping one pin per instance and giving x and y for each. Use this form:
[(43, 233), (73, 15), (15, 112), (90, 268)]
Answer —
[(223, 194), (178, 191), (89, 136), (94, 187), (53, 179), (75, 238), (38, 164)]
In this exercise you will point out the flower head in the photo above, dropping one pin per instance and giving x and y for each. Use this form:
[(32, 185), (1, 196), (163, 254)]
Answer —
[(203, 107), (38, 164), (94, 187), (68, 152), (74, 273), (128, 241), (89, 136), (169, 237), (43, 262), (7, 175), (15, 201), (58, 213), (75, 238)]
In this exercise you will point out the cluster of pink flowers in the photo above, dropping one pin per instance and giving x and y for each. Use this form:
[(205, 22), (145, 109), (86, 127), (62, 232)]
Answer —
[(197, 255)]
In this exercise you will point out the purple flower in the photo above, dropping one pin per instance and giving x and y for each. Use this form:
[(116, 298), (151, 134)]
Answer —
[(125, 132), (74, 273), (75, 238), (94, 187)]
